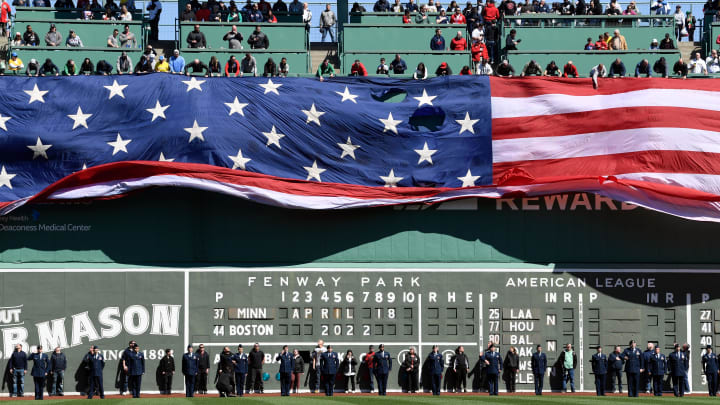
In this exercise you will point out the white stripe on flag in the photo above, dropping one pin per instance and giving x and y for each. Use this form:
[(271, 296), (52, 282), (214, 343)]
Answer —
[(708, 183)]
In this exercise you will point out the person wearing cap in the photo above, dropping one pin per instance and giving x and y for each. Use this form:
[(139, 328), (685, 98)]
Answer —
[(437, 364), (53, 38), (96, 361), (538, 365), (40, 370), (17, 41), (190, 371), (710, 367), (33, 68), (493, 364), (287, 365), (676, 368), (30, 37), (74, 40), (240, 360), (383, 366), (443, 70), (634, 366), (654, 44), (568, 362), (177, 63), (124, 359), (162, 65), (599, 363), (657, 364), (679, 21), (136, 369), (15, 64), (167, 371)]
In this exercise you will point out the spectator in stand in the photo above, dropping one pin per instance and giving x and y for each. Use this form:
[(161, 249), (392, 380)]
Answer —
[(196, 39), (307, 16), (697, 65), (492, 36), (466, 71), (284, 68), (667, 43), (233, 15), (357, 8), (127, 38), (234, 38), (124, 64), (582, 8), (53, 38), (679, 20), (144, 65), (258, 39), (15, 64), (631, 9), (103, 68), (248, 65), (358, 69), (618, 42), (431, 8), (296, 7), (5, 15), (589, 46), (382, 68), (643, 68), (30, 37), (327, 23), (74, 40), (49, 68), (33, 68), (660, 7), (712, 62), (398, 66), (617, 68), (154, 12), (510, 41), (232, 67), (690, 23), (188, 14), (680, 68), (162, 66), (478, 51), (569, 70), (17, 41), (325, 69), (125, 15), (195, 67), (597, 71), (203, 14), (613, 8), (505, 69), (422, 17), (660, 67), (411, 6), (270, 68), (264, 7), (443, 70), (256, 15), (508, 8), (214, 68), (542, 7), (567, 8), (552, 69), (70, 69), (271, 18), (87, 68), (112, 41), (397, 7), (406, 17), (381, 6), (442, 18), (420, 72), (107, 16), (483, 68), (458, 17), (531, 69), (471, 16), (280, 7), (654, 44), (437, 42), (458, 43), (150, 54), (490, 13), (176, 62)]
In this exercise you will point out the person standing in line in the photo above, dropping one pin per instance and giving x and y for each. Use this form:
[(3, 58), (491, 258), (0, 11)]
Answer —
[(39, 372), (203, 370), (599, 367), (287, 366), (256, 359), (316, 355), (383, 366), (633, 368), (18, 368), (190, 371), (493, 362), (650, 351), (348, 369), (241, 369), (167, 370), (676, 368), (710, 369), (511, 366), (436, 369), (58, 365), (298, 371), (136, 370), (96, 361), (410, 365), (370, 356), (658, 368), (124, 359), (568, 361), (615, 365), (538, 364), (460, 368), (329, 365)]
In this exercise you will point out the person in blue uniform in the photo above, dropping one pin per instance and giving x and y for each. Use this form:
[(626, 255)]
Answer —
[(710, 368), (657, 364), (676, 367), (329, 364), (383, 366), (599, 363), (190, 371), (18, 368), (136, 370), (615, 367), (437, 364), (538, 364), (40, 370), (646, 376), (493, 364), (240, 360), (633, 368), (287, 365), (96, 361)]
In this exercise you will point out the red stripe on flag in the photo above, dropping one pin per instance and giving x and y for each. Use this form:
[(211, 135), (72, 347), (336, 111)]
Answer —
[(529, 87)]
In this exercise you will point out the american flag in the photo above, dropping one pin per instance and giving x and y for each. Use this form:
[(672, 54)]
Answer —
[(349, 142)]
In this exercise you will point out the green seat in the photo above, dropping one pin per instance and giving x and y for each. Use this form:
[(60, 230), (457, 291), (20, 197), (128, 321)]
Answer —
[(53, 14), (299, 61), (61, 55), (94, 34), (281, 36), (394, 37), (371, 60), (585, 60), (384, 18)]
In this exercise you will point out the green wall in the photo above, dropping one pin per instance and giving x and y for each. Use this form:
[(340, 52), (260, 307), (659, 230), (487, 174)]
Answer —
[(585, 60), (432, 60), (281, 36), (92, 33), (396, 38)]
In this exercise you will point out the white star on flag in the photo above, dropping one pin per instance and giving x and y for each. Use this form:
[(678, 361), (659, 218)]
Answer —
[(390, 180), (79, 118), (313, 115), (467, 124), (157, 111), (3, 120), (196, 132), (314, 171), (348, 149), (120, 145), (239, 160), (390, 123), (270, 87), (84, 166), (425, 154), (39, 149), (347, 96), (116, 89), (468, 180), (36, 94), (164, 159), (193, 84), (273, 137), (236, 107), (424, 99), (5, 178)]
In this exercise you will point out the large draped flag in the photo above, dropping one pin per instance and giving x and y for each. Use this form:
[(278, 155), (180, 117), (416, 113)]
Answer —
[(350, 143)]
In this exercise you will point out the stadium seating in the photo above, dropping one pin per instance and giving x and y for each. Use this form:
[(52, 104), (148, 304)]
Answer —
[(281, 17), (383, 18), (371, 59), (94, 34), (298, 60), (61, 55), (281, 36), (585, 60), (396, 37), (53, 14)]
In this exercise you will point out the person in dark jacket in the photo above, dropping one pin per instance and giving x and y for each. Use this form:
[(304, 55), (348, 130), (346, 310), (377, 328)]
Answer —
[(348, 367), (58, 365), (538, 364), (494, 364), (40, 370), (240, 359), (658, 368), (190, 371), (287, 366), (650, 351), (143, 66), (258, 39), (167, 370), (398, 66), (224, 376), (297, 372), (436, 369), (437, 43), (617, 68), (96, 362), (197, 66), (443, 70), (478, 374), (410, 366), (511, 365), (660, 67), (505, 69), (676, 368), (615, 367), (383, 366), (18, 368), (270, 69), (136, 369), (633, 368), (680, 68), (568, 362), (49, 68), (256, 359), (196, 39), (103, 68), (329, 366), (460, 368), (599, 364), (710, 368), (203, 370)]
